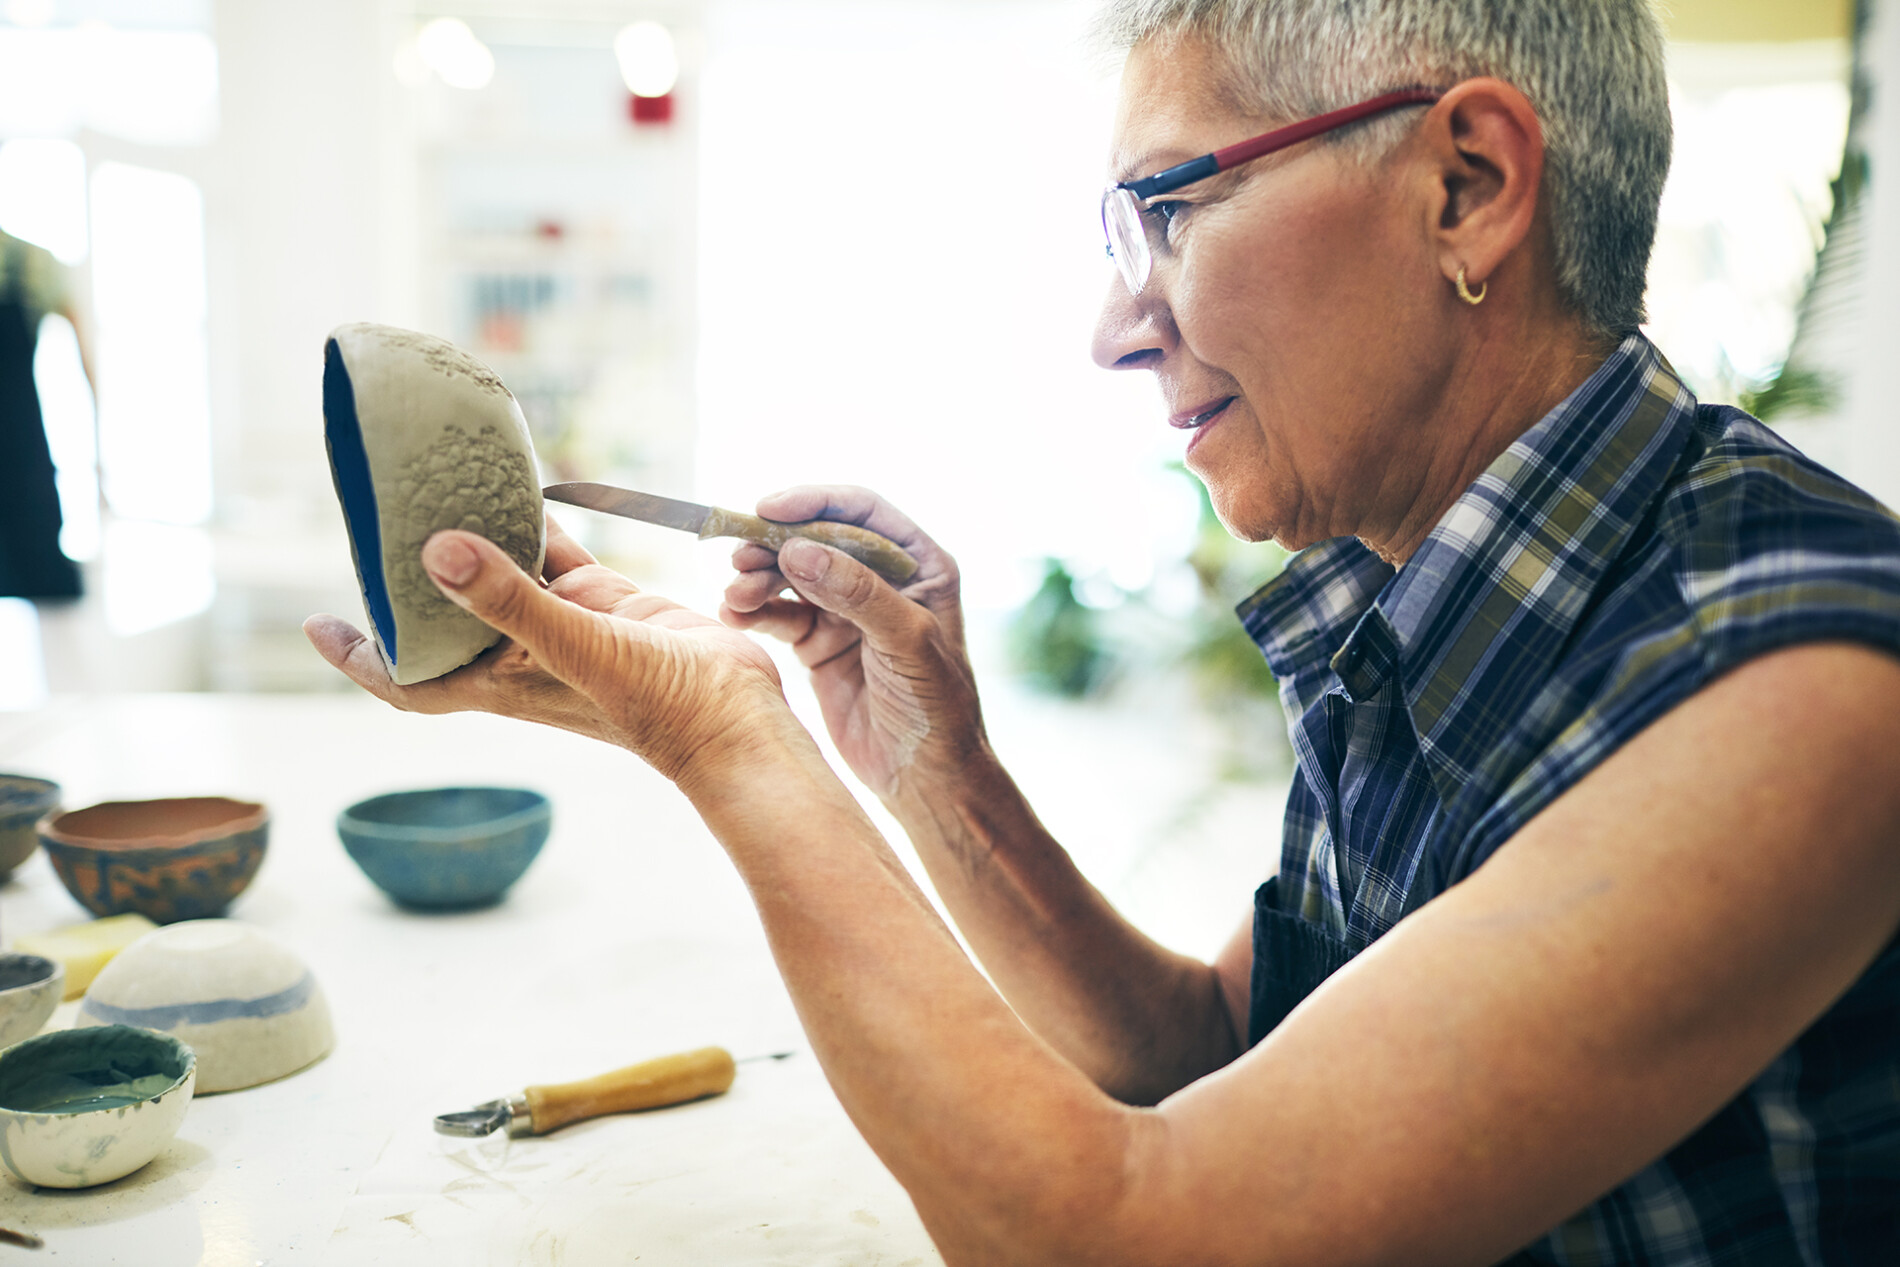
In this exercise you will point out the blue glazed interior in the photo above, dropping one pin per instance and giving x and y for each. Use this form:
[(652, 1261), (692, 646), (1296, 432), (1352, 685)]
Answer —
[(22, 795), (17, 970), (80, 1069), (349, 467), (453, 810)]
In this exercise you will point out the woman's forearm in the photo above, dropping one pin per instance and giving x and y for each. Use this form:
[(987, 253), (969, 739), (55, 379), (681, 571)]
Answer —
[(1141, 1020), (1138, 1019), (997, 1139)]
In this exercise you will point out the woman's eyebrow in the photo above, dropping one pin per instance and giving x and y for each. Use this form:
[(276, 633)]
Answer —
[(1148, 162)]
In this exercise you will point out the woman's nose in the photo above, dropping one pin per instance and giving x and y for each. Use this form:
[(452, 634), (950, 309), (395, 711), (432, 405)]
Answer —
[(1132, 332)]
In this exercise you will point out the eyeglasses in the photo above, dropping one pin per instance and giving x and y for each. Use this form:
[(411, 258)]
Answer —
[(1121, 204)]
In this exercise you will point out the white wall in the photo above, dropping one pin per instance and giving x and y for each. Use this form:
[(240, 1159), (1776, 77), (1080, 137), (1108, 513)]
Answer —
[(901, 262), (296, 225), (308, 227)]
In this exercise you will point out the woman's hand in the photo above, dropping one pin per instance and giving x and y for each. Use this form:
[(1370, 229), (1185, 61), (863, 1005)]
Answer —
[(588, 652), (889, 666)]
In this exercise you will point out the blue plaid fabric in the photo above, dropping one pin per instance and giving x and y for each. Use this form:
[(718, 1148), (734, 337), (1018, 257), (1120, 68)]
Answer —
[(1626, 550)]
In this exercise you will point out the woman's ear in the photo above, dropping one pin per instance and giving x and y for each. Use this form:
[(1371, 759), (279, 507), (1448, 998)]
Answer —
[(1487, 148)]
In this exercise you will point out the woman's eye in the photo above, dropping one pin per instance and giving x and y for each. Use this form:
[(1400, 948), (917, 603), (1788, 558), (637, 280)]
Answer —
[(1165, 217)]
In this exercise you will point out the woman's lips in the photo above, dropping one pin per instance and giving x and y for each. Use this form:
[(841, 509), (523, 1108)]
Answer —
[(1198, 418)]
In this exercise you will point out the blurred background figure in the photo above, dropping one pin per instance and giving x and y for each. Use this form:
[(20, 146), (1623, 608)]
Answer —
[(32, 284)]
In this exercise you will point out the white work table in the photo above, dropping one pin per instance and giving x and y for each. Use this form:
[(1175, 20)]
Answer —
[(630, 937)]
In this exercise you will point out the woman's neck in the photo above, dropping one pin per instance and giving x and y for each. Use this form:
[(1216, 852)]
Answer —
[(1500, 390)]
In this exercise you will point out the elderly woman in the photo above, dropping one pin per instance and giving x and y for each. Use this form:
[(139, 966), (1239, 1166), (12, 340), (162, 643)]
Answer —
[(1581, 945)]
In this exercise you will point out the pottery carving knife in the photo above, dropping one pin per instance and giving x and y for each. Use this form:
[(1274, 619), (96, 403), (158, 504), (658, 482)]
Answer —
[(880, 554), (651, 1084)]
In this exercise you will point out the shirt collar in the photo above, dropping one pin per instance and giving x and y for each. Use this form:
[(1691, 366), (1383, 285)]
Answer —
[(1477, 615), (1300, 617)]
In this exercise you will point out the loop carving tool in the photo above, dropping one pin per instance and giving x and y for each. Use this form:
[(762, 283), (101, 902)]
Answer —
[(651, 1084)]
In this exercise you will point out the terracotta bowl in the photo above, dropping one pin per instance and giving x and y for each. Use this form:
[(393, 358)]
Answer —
[(80, 1107), (24, 800), (447, 847), (178, 858)]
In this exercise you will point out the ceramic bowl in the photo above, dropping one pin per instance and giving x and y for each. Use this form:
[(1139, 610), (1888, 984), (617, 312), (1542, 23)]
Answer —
[(24, 800), (31, 986), (247, 1006), (80, 1107), (446, 847), (423, 437), (179, 858)]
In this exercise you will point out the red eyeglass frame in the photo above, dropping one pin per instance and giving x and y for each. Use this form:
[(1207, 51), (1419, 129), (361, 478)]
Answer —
[(1173, 178)]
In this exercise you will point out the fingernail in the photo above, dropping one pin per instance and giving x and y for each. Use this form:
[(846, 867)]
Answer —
[(804, 560), (450, 561)]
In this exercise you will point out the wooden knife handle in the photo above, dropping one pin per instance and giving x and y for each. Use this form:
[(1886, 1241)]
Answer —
[(651, 1084), (880, 554)]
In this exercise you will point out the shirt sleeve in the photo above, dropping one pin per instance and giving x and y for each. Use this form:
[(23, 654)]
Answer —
[(1805, 557)]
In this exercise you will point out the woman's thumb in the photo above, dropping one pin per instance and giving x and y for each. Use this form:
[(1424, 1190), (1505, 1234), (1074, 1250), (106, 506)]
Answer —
[(840, 584), (475, 574)]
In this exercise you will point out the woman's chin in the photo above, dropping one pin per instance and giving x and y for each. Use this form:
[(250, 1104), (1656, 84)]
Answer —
[(1243, 522)]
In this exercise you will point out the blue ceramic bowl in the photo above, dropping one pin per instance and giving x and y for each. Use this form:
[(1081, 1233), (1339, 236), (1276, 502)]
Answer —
[(24, 800), (449, 847)]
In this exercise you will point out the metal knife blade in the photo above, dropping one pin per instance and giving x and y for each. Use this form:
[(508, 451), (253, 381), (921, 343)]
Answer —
[(481, 1120), (880, 554), (653, 509)]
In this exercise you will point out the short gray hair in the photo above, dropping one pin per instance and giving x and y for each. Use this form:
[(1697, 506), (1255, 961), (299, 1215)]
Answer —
[(1592, 69)]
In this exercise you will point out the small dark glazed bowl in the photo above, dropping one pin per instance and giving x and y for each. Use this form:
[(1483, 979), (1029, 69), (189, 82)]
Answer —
[(24, 800), (175, 858), (31, 986), (446, 848)]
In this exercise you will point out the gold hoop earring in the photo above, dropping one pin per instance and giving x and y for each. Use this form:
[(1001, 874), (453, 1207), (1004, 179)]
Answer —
[(1464, 291)]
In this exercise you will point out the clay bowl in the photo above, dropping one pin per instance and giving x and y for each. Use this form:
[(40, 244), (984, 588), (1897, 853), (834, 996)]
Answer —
[(31, 986), (24, 800), (247, 1006), (446, 848), (423, 437), (177, 858), (80, 1107)]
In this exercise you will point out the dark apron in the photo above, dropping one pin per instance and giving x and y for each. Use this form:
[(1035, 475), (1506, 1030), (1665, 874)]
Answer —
[(1290, 959), (31, 562)]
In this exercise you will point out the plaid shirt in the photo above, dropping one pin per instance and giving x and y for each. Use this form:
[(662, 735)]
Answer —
[(1625, 551)]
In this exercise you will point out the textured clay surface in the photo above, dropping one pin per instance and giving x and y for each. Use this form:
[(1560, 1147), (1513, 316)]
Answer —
[(479, 483), (442, 356)]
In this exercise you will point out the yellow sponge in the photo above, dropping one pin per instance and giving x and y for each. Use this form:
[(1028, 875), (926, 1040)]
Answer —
[(86, 948)]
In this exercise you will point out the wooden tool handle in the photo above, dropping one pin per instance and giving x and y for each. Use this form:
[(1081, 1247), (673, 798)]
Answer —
[(691, 1075), (880, 554)]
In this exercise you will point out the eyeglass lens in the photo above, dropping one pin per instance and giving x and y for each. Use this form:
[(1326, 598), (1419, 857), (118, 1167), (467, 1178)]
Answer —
[(1127, 240)]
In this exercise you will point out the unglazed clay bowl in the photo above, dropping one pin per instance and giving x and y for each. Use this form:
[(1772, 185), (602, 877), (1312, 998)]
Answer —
[(177, 858), (446, 848), (80, 1107), (423, 437), (247, 1006), (24, 800), (31, 986)]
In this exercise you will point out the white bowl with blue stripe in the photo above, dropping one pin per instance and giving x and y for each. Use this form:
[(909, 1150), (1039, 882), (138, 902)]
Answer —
[(247, 1006)]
